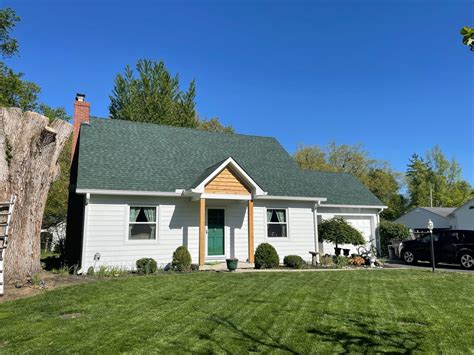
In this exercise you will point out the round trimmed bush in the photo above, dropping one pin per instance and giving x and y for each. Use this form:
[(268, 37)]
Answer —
[(266, 257), (391, 230), (293, 261), (181, 259), (146, 266)]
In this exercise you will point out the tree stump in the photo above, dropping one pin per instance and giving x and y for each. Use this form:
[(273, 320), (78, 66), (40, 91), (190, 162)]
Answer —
[(29, 149)]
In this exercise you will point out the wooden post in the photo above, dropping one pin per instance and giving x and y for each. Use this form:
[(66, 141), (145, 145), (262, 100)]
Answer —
[(202, 231), (250, 228)]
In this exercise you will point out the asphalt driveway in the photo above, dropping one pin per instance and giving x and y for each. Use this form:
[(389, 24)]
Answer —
[(421, 265)]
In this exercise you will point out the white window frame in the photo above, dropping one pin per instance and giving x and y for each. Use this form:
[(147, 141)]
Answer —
[(127, 230), (287, 218)]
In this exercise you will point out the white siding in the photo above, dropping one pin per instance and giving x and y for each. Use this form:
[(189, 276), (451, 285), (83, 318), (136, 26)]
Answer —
[(300, 238), (106, 230), (107, 234), (464, 216)]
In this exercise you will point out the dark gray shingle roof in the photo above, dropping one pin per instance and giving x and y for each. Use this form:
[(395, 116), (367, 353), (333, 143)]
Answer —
[(124, 155), (441, 211)]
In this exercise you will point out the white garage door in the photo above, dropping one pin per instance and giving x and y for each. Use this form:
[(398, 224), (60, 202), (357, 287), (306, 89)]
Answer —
[(363, 224)]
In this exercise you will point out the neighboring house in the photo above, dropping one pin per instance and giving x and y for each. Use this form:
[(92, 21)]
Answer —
[(53, 236), (141, 190), (463, 216), (417, 218)]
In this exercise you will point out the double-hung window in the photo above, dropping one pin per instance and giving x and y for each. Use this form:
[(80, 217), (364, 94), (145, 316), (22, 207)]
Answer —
[(277, 222), (142, 223)]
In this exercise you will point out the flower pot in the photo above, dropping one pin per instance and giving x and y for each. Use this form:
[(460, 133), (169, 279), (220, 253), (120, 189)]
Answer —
[(337, 251), (346, 252), (232, 264)]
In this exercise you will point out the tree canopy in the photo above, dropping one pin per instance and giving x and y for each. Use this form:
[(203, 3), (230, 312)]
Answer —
[(467, 33), (338, 231), (152, 94), (433, 171), (440, 175), (375, 174)]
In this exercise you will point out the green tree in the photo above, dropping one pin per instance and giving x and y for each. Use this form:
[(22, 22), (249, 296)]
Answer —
[(338, 231), (53, 113), (436, 179), (419, 180), (312, 158), (55, 210), (152, 95), (213, 125), (14, 91), (8, 20), (467, 33), (375, 174), (391, 230)]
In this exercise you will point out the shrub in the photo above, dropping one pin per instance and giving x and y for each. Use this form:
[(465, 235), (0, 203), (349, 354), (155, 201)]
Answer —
[(391, 230), (294, 261), (194, 267), (341, 260), (326, 261), (357, 261), (338, 231), (181, 259), (146, 266), (90, 271), (266, 257)]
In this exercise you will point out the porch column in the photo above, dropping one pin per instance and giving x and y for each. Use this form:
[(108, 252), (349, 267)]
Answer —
[(250, 230), (202, 231)]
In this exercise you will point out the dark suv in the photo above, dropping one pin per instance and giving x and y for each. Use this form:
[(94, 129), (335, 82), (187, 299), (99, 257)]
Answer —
[(450, 246)]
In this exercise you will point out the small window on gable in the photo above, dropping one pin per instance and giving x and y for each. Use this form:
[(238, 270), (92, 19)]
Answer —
[(277, 223), (142, 223)]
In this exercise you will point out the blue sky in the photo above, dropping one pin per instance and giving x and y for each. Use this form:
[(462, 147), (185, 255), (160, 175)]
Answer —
[(389, 74)]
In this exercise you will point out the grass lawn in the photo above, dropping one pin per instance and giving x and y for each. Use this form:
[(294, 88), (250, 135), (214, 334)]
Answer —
[(334, 311)]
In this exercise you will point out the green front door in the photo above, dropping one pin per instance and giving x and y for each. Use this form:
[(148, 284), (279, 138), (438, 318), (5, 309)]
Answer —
[(215, 232)]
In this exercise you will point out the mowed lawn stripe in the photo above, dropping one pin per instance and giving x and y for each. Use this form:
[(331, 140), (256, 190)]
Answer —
[(307, 312)]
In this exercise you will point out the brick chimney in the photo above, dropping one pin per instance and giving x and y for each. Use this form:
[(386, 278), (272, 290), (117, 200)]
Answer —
[(81, 115)]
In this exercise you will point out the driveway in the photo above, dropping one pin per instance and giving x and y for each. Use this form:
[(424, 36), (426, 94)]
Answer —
[(422, 265)]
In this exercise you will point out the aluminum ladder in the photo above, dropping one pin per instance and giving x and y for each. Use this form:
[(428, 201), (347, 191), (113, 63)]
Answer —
[(6, 213)]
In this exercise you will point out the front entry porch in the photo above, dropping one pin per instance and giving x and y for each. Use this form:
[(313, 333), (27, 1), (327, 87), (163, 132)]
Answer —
[(221, 227)]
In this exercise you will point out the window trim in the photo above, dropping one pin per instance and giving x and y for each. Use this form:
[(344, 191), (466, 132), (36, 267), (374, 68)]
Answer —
[(287, 222), (127, 229)]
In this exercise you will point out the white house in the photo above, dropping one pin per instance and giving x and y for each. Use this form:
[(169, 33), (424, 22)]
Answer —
[(141, 190), (417, 218), (463, 216)]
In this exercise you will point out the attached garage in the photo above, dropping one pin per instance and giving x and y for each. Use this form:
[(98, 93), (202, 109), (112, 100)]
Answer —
[(364, 221)]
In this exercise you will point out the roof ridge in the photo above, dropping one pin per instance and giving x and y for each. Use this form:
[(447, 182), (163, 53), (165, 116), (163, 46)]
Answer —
[(177, 127)]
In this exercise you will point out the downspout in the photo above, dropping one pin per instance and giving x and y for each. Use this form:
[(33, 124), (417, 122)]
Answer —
[(83, 268), (316, 236)]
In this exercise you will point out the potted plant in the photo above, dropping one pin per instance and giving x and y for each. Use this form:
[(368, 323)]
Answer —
[(232, 263)]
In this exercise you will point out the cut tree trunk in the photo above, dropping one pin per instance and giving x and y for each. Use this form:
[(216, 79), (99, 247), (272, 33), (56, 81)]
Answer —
[(29, 149)]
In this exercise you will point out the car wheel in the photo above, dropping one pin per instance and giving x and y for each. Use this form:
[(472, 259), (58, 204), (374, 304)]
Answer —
[(408, 257), (466, 260)]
